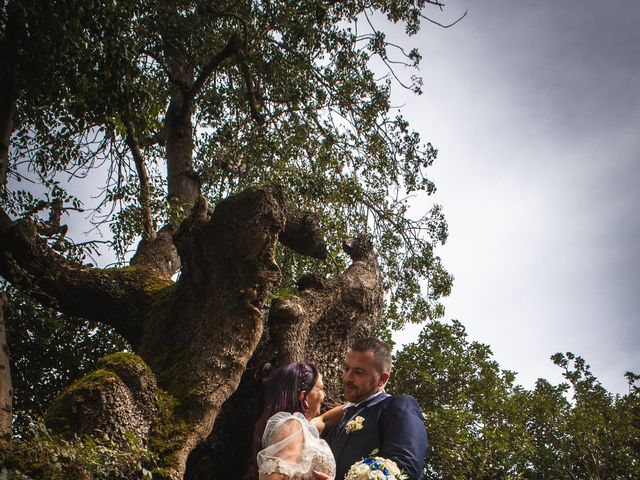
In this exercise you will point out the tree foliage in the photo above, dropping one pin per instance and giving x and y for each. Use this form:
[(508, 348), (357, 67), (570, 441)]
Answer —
[(238, 93), (40, 371), (43, 455), (482, 425), (271, 112)]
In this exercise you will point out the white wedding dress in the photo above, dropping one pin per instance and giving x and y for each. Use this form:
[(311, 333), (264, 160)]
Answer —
[(293, 447)]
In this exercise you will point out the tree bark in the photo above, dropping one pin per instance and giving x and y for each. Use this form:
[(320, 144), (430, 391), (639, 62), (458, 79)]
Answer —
[(159, 253), (198, 334), (182, 180), (6, 391), (317, 325), (120, 397), (119, 298), (218, 310)]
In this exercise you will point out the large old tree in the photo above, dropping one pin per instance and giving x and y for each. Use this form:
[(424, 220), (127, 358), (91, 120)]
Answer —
[(247, 147)]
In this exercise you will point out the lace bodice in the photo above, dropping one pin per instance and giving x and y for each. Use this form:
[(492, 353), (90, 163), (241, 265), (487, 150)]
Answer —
[(294, 448)]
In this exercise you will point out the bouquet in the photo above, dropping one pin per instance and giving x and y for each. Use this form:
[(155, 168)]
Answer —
[(375, 468)]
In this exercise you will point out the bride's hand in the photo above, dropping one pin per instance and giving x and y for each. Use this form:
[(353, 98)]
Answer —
[(329, 418), (321, 476)]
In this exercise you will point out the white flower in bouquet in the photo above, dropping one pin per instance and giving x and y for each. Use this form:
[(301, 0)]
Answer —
[(375, 468)]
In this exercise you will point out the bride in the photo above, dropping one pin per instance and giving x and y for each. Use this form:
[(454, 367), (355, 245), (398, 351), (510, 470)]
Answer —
[(289, 428)]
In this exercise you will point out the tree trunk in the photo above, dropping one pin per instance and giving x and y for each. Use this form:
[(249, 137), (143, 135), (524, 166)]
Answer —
[(8, 85), (183, 183), (6, 392), (317, 325), (197, 335)]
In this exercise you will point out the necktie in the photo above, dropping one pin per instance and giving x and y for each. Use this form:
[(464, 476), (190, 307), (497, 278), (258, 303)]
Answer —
[(349, 412)]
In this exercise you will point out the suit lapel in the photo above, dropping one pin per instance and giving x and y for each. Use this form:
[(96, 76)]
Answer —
[(342, 437)]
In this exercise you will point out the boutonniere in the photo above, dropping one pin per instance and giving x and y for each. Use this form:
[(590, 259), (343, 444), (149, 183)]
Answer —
[(354, 424)]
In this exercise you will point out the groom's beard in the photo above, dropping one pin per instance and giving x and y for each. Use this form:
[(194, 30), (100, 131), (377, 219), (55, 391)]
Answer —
[(355, 394)]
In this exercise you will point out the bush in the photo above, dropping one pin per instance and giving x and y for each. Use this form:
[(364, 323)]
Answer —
[(41, 455)]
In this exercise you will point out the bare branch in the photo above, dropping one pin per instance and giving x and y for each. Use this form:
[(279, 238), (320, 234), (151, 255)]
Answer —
[(145, 189), (443, 25), (251, 91)]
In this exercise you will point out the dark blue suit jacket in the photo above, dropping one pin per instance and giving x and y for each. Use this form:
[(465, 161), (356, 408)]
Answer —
[(393, 425)]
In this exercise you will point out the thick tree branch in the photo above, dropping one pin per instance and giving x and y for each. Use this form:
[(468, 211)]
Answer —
[(117, 297), (232, 46), (303, 234), (158, 254), (183, 183)]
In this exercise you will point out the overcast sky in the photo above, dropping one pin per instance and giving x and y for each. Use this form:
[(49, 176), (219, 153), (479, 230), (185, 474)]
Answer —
[(535, 110)]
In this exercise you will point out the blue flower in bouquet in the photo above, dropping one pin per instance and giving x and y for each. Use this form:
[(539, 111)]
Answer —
[(375, 468)]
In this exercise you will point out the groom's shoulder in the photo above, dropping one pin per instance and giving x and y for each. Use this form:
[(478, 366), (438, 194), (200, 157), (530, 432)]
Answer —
[(404, 402), (394, 402)]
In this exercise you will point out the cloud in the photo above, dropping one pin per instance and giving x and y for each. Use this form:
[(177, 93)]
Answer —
[(534, 107)]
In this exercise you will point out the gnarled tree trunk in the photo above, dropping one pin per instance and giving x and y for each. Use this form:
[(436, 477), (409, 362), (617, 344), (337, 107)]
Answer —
[(318, 324), (199, 334)]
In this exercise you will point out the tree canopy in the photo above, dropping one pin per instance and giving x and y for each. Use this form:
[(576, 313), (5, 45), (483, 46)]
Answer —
[(157, 103), (248, 147), (483, 425)]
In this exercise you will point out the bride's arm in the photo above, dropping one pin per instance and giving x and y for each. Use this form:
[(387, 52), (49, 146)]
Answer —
[(273, 476), (329, 418), (291, 444), (279, 476)]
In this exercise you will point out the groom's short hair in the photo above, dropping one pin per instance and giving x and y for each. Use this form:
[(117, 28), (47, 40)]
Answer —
[(381, 352)]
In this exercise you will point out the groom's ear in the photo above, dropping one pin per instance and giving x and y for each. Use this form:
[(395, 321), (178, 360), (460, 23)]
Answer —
[(384, 378)]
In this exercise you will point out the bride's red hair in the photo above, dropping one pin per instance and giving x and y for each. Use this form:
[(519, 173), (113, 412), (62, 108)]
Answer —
[(282, 394)]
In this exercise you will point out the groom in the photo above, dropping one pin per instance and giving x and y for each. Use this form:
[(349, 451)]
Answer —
[(375, 420)]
